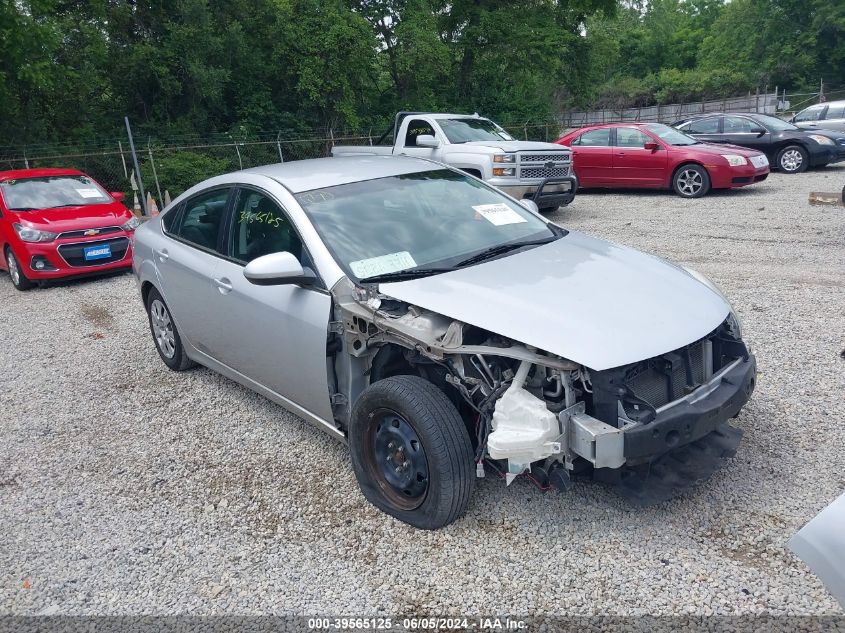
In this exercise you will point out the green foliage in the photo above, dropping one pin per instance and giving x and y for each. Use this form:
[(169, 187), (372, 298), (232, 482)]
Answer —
[(70, 71), (181, 170)]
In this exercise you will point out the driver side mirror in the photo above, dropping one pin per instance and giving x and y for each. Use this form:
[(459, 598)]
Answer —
[(117, 195), (759, 131), (427, 140), (651, 146), (277, 269)]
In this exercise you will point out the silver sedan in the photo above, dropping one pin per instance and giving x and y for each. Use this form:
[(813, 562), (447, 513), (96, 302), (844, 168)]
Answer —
[(445, 331)]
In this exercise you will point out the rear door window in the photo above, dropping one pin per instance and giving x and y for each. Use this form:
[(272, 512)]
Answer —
[(202, 219), (594, 138), (702, 126), (835, 112)]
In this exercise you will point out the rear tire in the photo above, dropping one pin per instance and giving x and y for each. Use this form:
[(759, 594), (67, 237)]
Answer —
[(793, 159), (411, 452), (165, 335), (691, 181), (549, 209), (19, 278)]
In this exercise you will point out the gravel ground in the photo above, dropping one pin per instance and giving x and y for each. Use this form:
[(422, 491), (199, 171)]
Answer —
[(126, 488)]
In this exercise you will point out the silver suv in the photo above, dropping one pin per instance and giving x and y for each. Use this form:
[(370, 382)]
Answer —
[(828, 116)]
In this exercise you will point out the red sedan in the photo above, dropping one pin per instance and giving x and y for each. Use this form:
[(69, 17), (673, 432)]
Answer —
[(58, 223), (652, 155)]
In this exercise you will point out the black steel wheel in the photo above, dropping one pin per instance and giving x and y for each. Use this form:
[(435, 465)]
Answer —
[(411, 452), (396, 459)]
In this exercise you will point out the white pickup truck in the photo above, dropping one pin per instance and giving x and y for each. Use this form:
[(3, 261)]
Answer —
[(541, 172)]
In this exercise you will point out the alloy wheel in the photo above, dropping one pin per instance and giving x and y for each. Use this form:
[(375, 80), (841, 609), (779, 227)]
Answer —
[(791, 160), (690, 182), (162, 328), (14, 271)]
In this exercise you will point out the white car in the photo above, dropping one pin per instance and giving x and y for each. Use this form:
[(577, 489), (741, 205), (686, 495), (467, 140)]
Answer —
[(439, 326)]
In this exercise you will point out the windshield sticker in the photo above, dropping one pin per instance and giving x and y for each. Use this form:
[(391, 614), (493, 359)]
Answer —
[(382, 264), (89, 193), (498, 214)]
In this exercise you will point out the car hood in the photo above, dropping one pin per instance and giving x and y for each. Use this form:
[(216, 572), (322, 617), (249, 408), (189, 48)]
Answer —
[(91, 216), (594, 302), (515, 146), (717, 150)]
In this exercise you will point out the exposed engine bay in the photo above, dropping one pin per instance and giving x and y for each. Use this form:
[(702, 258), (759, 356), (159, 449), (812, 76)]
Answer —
[(530, 412)]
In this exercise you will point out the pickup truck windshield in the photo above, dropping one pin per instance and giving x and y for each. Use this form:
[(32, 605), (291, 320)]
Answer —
[(50, 192), (465, 130), (426, 220)]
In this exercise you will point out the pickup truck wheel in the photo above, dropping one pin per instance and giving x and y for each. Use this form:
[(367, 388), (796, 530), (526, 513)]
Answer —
[(793, 159), (165, 335), (411, 452)]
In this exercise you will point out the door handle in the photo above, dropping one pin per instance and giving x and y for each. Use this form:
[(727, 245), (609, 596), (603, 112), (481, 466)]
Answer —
[(162, 254), (223, 285)]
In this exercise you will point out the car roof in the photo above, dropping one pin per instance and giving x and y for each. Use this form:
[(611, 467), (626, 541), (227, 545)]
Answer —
[(17, 174), (317, 173)]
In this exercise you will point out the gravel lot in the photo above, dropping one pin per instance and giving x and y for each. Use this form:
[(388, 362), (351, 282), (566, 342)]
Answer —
[(126, 488)]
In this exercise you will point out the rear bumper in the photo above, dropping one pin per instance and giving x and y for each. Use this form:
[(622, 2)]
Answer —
[(691, 418)]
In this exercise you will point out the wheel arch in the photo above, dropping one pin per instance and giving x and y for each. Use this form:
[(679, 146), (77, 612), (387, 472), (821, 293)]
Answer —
[(682, 164)]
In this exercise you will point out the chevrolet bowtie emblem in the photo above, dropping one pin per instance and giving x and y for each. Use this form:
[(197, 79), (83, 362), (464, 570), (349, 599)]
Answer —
[(549, 165), (91, 232)]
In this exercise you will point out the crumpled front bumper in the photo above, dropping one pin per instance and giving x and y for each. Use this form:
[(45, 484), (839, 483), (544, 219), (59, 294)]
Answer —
[(694, 416)]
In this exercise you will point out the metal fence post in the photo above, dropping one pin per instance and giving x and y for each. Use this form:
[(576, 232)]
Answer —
[(137, 168), (279, 147), (122, 160), (155, 175)]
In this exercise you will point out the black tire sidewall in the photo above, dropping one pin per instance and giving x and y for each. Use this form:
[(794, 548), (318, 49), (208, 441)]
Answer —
[(705, 181), (443, 436), (179, 360), (805, 158), (25, 283)]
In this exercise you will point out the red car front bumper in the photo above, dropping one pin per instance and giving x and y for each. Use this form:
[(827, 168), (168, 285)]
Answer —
[(727, 177), (75, 256)]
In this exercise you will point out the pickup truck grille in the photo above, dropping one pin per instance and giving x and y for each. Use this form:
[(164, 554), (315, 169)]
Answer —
[(543, 172), (559, 157)]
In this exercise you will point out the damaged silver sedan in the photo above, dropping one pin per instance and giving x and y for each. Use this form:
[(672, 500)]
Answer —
[(446, 331)]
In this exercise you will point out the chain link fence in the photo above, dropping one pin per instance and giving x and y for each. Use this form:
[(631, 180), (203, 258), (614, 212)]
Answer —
[(169, 168)]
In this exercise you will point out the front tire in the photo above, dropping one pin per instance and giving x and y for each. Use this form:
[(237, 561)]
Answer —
[(793, 159), (165, 334), (411, 452), (19, 278), (691, 181)]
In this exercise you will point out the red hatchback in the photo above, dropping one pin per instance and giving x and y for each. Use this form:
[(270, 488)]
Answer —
[(652, 155), (59, 223)]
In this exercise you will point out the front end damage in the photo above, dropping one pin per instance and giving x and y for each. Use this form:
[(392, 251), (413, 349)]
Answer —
[(653, 427)]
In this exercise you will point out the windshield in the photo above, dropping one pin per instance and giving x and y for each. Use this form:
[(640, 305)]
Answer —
[(670, 135), (464, 130), (50, 192), (773, 123), (430, 219)]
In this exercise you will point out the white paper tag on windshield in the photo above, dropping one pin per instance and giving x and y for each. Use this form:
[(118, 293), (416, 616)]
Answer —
[(382, 264), (499, 213), (89, 193)]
